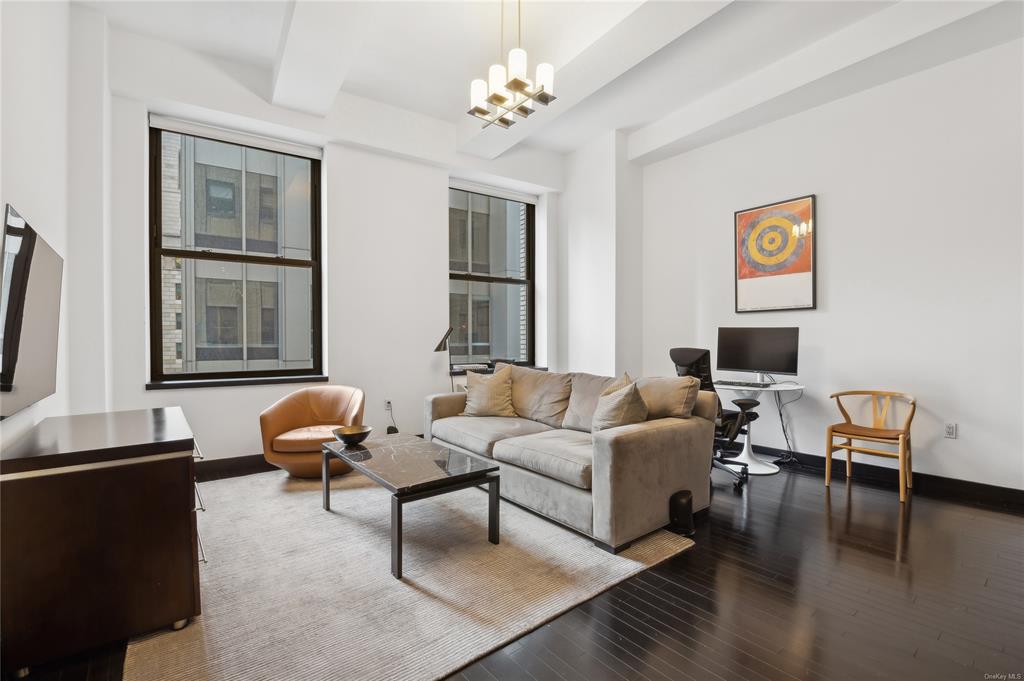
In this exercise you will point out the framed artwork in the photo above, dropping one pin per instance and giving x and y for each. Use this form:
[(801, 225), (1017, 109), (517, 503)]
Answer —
[(775, 263)]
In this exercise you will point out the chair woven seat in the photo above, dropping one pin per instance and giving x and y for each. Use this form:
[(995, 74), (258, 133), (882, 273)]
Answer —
[(853, 430)]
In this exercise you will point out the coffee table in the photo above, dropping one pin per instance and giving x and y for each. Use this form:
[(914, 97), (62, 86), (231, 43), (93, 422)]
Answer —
[(412, 469)]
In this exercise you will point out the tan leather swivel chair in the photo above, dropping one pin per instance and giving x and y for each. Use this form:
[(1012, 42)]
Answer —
[(295, 426)]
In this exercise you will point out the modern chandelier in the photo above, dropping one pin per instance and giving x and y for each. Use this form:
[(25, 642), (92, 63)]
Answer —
[(508, 92)]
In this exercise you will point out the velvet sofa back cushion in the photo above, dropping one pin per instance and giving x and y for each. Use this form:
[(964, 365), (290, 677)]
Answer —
[(669, 397), (540, 396), (489, 395), (586, 391)]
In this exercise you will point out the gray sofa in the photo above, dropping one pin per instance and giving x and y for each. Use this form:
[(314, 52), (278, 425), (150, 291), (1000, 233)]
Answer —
[(612, 485)]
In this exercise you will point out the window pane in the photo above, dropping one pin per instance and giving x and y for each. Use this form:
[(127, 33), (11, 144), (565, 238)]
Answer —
[(489, 322), (458, 231), (206, 205), (235, 316), (494, 232)]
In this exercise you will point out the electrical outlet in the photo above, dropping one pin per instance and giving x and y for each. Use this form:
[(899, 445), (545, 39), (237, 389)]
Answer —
[(387, 405), (952, 430)]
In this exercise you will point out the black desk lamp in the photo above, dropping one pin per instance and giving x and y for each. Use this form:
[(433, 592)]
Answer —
[(443, 347)]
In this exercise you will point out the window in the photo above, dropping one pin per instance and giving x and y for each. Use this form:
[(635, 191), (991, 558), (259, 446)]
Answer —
[(220, 199), (231, 260), (490, 287)]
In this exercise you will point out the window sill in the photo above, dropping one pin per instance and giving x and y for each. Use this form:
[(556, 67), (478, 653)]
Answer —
[(230, 382), (490, 370)]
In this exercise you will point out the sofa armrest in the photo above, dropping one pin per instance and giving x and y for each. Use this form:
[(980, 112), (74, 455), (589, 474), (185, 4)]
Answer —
[(639, 466), (706, 406), (441, 406)]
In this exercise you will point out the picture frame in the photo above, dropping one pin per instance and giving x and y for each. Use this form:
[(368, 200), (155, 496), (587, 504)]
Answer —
[(774, 256)]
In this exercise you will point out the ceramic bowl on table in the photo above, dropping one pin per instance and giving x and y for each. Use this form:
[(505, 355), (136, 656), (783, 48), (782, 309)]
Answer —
[(352, 435)]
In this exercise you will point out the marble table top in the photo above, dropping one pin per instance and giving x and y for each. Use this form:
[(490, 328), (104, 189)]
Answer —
[(405, 463)]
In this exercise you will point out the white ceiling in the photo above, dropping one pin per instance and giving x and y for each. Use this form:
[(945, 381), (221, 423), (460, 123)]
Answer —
[(421, 56), (243, 31), (628, 63), (738, 40)]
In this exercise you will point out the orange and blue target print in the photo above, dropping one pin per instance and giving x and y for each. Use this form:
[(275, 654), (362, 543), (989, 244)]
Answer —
[(775, 268)]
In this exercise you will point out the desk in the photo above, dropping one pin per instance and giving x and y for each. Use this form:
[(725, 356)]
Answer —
[(756, 465)]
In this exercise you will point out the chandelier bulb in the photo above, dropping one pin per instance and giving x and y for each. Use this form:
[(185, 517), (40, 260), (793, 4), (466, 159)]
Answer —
[(478, 94), (546, 77), (517, 64), (496, 79)]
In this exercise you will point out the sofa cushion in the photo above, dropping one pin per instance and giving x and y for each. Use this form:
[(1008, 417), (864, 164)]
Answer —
[(669, 396), (586, 390), (489, 395), (306, 439), (479, 433), (540, 395), (565, 455), (619, 407)]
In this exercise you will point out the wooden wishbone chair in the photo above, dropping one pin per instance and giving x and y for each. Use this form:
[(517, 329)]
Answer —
[(877, 432)]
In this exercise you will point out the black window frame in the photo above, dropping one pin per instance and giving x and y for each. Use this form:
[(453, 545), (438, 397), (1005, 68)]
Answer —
[(528, 281), (157, 251)]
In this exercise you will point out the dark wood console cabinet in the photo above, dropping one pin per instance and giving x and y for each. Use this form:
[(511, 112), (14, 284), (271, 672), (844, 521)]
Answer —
[(98, 535)]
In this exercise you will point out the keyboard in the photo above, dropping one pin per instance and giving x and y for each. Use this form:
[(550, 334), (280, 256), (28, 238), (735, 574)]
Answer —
[(743, 384)]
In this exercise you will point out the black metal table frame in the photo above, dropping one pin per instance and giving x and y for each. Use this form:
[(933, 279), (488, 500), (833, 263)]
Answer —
[(399, 499)]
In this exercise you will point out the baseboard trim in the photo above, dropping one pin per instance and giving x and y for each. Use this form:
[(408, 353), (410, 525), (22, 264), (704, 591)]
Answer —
[(951, 489), (231, 467)]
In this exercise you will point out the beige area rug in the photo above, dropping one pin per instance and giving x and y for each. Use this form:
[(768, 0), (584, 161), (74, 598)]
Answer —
[(295, 592)]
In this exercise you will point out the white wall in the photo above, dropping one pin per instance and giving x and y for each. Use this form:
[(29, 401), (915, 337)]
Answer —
[(587, 273), (919, 229), (628, 262), (601, 260), (88, 274), (34, 136), (387, 295)]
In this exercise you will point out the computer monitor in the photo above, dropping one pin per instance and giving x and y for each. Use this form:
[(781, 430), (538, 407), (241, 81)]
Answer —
[(762, 350)]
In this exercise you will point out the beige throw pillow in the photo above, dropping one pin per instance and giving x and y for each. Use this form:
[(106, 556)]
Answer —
[(489, 395), (541, 396), (619, 408), (619, 384), (669, 397), (586, 390)]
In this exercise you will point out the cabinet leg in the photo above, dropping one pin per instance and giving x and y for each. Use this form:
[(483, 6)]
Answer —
[(179, 624)]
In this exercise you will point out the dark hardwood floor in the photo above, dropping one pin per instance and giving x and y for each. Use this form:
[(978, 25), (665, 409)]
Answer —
[(790, 581), (787, 581)]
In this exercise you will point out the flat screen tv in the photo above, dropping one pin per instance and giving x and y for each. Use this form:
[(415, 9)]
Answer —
[(31, 274), (762, 350)]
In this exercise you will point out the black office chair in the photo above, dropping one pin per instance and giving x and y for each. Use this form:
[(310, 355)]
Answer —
[(730, 424)]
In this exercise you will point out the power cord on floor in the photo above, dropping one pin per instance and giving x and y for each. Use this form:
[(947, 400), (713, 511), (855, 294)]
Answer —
[(780, 407)]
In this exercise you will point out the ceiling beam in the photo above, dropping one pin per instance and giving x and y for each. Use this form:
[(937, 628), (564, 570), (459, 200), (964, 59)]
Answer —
[(889, 44), (319, 42), (643, 32)]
